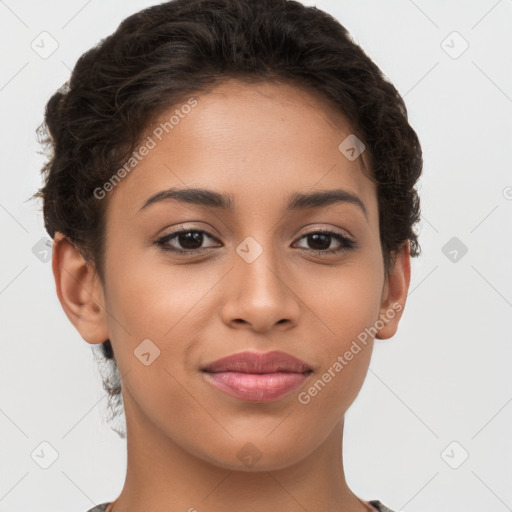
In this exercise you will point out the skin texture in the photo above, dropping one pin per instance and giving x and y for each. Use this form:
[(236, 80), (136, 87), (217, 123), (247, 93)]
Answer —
[(260, 144)]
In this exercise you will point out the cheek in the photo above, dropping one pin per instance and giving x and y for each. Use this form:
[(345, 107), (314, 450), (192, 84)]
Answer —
[(144, 294), (168, 305), (345, 308), (347, 314), (344, 301), (344, 355), (150, 302)]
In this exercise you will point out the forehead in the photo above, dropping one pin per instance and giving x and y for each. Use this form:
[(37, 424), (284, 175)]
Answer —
[(258, 143)]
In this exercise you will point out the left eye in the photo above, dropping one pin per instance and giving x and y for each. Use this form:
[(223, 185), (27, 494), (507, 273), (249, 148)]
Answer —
[(323, 238), (190, 241)]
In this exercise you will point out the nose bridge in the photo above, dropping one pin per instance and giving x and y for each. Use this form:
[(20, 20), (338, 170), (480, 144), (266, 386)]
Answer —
[(258, 292), (256, 265)]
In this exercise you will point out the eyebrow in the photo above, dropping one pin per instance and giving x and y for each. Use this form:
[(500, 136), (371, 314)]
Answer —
[(297, 201)]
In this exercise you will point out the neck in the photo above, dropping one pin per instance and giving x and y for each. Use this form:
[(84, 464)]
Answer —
[(161, 475)]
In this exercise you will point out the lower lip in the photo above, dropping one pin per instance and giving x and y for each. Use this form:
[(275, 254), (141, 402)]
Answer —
[(256, 387)]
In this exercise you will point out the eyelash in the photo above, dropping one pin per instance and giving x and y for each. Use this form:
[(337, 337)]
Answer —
[(346, 244)]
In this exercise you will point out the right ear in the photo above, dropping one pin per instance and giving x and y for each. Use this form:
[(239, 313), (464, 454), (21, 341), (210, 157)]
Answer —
[(79, 290)]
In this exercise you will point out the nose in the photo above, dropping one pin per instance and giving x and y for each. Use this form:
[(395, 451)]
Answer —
[(259, 294)]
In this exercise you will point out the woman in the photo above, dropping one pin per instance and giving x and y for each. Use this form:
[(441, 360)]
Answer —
[(231, 197)]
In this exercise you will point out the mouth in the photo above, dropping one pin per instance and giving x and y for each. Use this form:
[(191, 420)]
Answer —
[(256, 377)]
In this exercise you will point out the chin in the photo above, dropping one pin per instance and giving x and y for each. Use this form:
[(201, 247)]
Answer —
[(257, 456)]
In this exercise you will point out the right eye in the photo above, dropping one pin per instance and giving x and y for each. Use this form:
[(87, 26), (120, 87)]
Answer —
[(190, 241)]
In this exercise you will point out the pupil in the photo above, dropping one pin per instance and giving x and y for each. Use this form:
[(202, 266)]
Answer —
[(191, 240), (316, 237)]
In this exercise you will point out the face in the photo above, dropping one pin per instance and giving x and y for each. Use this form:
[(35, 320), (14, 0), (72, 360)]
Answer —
[(269, 273)]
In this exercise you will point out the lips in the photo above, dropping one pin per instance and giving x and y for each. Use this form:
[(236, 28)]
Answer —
[(256, 377), (254, 362)]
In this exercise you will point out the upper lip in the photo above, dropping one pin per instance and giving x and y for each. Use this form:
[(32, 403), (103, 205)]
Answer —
[(257, 362)]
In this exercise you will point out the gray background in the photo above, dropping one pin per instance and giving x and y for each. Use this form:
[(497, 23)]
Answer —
[(438, 391)]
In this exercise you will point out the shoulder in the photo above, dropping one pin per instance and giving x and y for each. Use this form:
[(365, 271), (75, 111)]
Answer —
[(99, 508), (379, 506)]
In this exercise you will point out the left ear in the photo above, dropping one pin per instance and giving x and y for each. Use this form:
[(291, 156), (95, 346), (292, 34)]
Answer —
[(394, 293)]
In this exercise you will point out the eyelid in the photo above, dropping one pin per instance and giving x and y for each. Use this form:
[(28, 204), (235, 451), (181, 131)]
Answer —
[(342, 232), (315, 229), (191, 227)]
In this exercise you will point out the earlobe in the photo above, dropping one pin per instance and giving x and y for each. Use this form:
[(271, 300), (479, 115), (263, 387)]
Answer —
[(395, 294), (79, 290)]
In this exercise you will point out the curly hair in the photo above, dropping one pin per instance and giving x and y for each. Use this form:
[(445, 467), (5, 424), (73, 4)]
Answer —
[(163, 54)]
